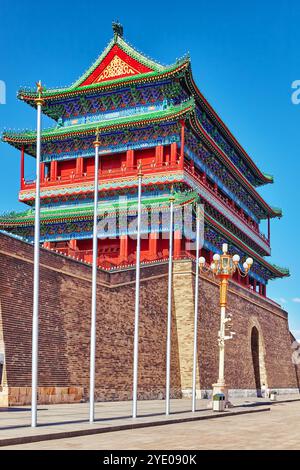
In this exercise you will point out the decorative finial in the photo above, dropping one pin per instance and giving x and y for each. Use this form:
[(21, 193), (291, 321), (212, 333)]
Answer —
[(225, 248), (39, 88), (39, 100), (97, 141), (140, 173), (172, 196), (117, 29)]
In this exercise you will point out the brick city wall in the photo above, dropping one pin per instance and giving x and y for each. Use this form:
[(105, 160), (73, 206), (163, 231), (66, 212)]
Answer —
[(65, 309)]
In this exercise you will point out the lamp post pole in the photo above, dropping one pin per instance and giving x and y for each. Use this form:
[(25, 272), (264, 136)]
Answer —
[(169, 317), (194, 391), (36, 269), (137, 298), (223, 267), (94, 285), (222, 333)]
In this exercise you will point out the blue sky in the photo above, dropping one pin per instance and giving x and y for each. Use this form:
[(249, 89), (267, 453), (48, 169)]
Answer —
[(245, 56)]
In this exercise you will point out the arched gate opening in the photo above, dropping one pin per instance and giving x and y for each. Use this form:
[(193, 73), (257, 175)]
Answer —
[(255, 359)]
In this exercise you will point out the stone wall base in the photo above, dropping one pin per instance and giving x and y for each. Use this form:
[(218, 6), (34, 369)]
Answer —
[(19, 396), (239, 393), (244, 393)]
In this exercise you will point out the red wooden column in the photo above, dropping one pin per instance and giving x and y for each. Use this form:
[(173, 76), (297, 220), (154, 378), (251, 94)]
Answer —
[(53, 170), (159, 155), (177, 243), (123, 248), (153, 243), (182, 140), (79, 166), (42, 172), (73, 244), (129, 158), (173, 153), (22, 168), (254, 284), (269, 229)]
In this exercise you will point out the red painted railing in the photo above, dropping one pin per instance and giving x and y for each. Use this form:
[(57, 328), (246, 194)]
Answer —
[(124, 171), (193, 172)]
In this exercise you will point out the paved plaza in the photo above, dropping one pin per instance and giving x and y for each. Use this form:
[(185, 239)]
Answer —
[(277, 429), (265, 426)]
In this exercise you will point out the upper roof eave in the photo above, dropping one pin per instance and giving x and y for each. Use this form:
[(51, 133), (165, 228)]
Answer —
[(173, 112), (282, 272), (263, 177), (277, 211), (272, 212)]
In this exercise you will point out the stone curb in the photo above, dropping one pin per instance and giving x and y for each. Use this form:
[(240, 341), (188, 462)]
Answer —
[(277, 402)]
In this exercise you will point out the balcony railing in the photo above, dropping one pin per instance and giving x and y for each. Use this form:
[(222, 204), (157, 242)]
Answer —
[(110, 258), (124, 171), (193, 172)]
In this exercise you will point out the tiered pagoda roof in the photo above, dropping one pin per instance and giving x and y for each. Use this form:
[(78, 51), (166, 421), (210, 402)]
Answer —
[(123, 79), (120, 65)]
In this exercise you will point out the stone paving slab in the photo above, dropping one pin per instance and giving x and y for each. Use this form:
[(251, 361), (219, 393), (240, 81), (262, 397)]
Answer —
[(61, 421), (278, 429)]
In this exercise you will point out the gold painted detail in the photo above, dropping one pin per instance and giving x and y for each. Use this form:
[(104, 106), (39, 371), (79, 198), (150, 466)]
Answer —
[(39, 100), (223, 292), (116, 68)]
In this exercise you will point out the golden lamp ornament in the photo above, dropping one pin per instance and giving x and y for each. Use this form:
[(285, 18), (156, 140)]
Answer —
[(223, 267)]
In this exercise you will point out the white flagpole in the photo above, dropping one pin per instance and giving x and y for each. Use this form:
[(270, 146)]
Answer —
[(196, 308), (169, 318), (36, 269), (137, 299), (94, 284)]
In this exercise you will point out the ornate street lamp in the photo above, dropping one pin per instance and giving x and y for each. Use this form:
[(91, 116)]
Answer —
[(223, 267)]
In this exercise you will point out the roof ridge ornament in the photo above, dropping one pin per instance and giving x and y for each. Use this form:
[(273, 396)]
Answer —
[(117, 29)]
